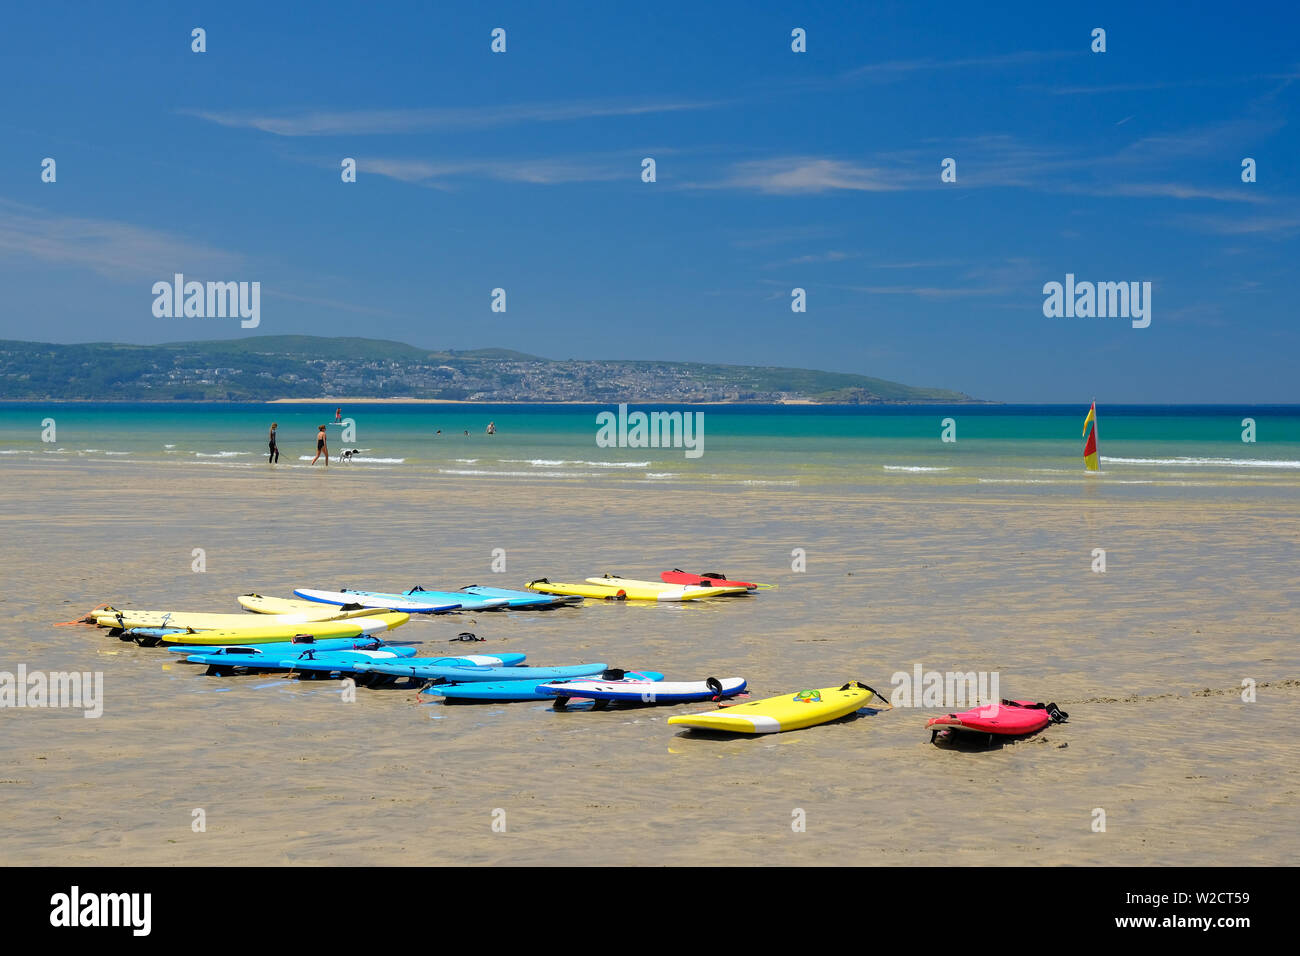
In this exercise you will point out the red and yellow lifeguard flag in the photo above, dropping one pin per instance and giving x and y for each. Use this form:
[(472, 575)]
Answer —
[(1090, 446)]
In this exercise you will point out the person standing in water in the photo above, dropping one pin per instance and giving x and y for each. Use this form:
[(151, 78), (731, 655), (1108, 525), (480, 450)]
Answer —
[(338, 415), (492, 428), (321, 447), (275, 449)]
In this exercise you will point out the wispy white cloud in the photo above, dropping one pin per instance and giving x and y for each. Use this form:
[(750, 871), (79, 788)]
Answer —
[(794, 175), (125, 252), (1279, 226), (118, 250), (928, 292), (387, 121), (1002, 161), (330, 304), (548, 172), (967, 280), (782, 236), (896, 69), (920, 264), (1177, 191), (1154, 85), (812, 258)]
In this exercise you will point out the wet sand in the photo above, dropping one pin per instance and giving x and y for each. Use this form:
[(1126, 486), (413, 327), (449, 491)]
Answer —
[(1148, 659)]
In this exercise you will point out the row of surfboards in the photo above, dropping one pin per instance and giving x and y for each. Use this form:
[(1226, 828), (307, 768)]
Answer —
[(352, 613), (540, 593), (502, 678), (496, 678), (348, 643), (326, 638)]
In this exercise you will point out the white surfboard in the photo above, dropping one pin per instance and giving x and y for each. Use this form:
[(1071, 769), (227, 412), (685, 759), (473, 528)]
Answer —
[(392, 604)]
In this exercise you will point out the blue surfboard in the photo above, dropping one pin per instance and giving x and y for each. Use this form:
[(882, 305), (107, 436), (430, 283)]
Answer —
[(468, 600), (524, 599), (510, 690), (435, 669), (288, 648), (375, 671), (228, 658)]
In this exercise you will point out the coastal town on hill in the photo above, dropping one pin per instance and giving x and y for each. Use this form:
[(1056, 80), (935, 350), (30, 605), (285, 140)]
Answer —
[(300, 367)]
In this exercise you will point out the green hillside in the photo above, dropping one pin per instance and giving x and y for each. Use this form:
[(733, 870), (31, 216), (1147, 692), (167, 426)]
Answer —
[(261, 368)]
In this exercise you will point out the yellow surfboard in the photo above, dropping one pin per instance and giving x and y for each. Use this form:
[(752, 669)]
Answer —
[(261, 604), (658, 591), (202, 621), (373, 625), (599, 591), (806, 708)]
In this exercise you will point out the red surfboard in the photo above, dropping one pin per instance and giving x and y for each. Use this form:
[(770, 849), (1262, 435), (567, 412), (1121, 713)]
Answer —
[(1010, 718), (677, 576)]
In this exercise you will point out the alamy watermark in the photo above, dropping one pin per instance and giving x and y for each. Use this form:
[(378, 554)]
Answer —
[(212, 300), (1102, 300), (62, 689), (651, 430), (128, 910), (944, 689)]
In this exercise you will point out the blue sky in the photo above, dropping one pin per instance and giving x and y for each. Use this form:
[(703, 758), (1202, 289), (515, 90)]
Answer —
[(775, 170)]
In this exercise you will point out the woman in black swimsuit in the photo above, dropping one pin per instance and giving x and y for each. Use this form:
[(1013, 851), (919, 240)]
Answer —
[(321, 449)]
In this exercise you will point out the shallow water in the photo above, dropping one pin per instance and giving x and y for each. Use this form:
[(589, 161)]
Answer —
[(889, 448), (1148, 658)]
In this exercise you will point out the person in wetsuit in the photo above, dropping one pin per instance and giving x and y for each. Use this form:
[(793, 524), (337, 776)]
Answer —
[(274, 457)]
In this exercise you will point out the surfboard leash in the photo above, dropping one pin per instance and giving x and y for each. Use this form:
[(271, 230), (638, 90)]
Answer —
[(857, 683), (89, 617)]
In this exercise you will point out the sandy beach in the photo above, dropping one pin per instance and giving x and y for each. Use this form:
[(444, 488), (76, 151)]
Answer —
[(1148, 659)]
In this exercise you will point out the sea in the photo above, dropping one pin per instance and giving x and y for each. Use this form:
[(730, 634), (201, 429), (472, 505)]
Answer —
[(744, 445), (1154, 601)]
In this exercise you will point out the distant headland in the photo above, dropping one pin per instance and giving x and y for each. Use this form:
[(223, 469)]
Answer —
[(307, 368)]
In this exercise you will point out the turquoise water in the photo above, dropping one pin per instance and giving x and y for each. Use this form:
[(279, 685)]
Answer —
[(742, 444)]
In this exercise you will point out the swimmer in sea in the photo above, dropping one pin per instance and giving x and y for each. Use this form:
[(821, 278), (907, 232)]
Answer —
[(321, 447)]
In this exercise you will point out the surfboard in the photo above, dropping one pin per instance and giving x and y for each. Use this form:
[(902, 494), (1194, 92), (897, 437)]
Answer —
[(516, 690), (467, 602), (524, 599), (664, 692), (372, 672), (806, 708), (602, 592), (227, 659), (374, 624), (286, 648), (656, 591), (203, 621), (434, 669), (677, 576), (1010, 718), (261, 604), (391, 602)]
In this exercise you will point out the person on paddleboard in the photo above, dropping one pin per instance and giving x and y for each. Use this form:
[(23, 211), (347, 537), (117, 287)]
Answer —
[(321, 447), (275, 449)]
